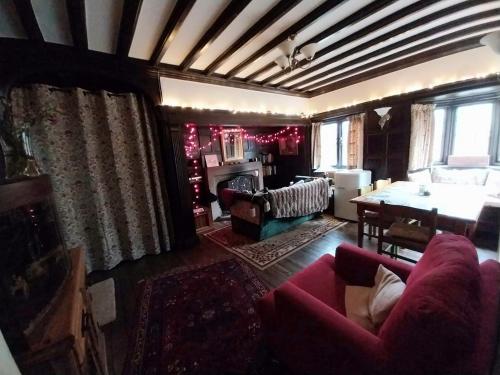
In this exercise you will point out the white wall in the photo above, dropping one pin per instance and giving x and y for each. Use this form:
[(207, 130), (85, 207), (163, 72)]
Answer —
[(457, 67), (207, 96), (7, 364)]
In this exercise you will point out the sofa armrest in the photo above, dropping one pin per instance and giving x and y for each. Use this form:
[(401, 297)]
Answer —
[(358, 266), (248, 211), (319, 329)]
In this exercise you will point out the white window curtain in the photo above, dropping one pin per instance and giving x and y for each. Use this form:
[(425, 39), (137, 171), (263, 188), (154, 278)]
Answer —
[(355, 141), (316, 145), (422, 135)]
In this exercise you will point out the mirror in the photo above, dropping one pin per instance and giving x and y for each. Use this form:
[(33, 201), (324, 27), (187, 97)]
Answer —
[(232, 145)]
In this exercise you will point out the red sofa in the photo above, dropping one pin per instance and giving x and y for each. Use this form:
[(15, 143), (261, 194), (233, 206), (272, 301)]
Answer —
[(446, 321)]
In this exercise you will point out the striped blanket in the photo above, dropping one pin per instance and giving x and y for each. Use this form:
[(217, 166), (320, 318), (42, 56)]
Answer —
[(300, 199)]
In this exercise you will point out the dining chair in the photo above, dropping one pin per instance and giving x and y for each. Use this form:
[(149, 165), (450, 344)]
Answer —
[(370, 218), (411, 228), (380, 184)]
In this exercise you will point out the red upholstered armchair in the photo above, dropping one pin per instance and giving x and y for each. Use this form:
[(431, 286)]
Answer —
[(444, 323)]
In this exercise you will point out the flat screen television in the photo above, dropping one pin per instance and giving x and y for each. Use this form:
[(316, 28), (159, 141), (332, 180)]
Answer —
[(34, 263)]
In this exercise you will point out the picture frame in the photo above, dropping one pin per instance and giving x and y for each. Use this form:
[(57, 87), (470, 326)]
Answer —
[(211, 160), (232, 145), (288, 145)]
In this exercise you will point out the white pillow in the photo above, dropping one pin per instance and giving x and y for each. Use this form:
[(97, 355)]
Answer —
[(385, 294), (356, 306), (422, 177), (369, 307)]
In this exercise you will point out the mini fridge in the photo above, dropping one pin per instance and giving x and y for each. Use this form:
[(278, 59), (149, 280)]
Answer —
[(347, 184)]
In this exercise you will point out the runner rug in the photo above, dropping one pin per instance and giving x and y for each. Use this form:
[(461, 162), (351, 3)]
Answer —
[(199, 320), (265, 253)]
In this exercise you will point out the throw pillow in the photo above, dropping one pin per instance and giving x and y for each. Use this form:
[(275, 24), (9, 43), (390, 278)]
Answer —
[(493, 183), (422, 177), (384, 295), (356, 306)]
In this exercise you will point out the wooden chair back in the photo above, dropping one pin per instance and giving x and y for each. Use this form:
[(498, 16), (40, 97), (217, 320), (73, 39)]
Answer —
[(380, 184), (392, 212), (365, 190)]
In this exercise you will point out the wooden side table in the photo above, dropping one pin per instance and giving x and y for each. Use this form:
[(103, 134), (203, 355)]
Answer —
[(203, 218), (67, 341)]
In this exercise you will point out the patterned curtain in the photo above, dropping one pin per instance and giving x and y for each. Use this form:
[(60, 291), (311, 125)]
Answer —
[(355, 141), (99, 151), (316, 145), (422, 135)]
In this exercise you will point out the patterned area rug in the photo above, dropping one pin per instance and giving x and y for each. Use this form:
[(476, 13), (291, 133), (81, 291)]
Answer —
[(265, 253), (198, 320)]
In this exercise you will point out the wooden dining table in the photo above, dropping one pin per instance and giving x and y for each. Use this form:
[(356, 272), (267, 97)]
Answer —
[(459, 206)]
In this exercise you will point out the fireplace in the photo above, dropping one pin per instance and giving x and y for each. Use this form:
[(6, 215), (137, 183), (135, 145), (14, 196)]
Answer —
[(250, 172)]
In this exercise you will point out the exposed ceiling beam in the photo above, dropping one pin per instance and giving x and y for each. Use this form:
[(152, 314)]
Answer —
[(406, 11), (404, 53), (305, 21), (436, 53), (172, 71), (28, 19), (278, 11), (174, 23), (357, 16), (130, 15), (391, 47), (77, 22), (232, 10)]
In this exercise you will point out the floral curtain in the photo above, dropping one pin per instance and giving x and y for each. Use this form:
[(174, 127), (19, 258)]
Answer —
[(355, 141), (422, 135), (98, 149), (316, 145)]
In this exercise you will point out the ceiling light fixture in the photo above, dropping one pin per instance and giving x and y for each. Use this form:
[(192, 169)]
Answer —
[(492, 40), (289, 58)]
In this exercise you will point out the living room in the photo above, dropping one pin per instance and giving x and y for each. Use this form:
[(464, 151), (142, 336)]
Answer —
[(250, 187)]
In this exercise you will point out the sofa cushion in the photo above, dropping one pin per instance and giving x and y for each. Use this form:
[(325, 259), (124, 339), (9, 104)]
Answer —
[(472, 176), (434, 324), (421, 177), (384, 295), (493, 183)]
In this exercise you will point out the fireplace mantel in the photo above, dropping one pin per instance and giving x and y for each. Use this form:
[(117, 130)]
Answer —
[(224, 172)]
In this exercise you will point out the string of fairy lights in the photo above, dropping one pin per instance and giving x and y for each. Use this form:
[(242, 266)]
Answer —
[(193, 148), (192, 145)]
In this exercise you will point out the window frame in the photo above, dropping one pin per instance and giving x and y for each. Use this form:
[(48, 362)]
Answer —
[(341, 164), (449, 129)]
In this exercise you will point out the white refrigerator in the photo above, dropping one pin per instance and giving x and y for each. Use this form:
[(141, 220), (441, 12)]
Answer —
[(347, 184)]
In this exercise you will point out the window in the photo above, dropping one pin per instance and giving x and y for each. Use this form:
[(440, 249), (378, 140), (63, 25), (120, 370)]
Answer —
[(466, 129), (334, 137), (472, 129)]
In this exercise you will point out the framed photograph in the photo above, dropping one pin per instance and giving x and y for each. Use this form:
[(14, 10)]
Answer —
[(232, 145), (212, 160), (288, 145)]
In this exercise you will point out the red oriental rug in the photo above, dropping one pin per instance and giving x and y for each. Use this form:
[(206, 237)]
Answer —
[(197, 320)]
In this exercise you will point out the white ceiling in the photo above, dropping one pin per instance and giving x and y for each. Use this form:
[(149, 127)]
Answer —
[(103, 23)]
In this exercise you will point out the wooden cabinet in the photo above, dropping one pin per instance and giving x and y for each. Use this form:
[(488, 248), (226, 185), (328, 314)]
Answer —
[(68, 340)]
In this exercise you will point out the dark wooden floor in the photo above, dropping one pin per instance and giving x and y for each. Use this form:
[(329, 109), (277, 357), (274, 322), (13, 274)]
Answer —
[(128, 274)]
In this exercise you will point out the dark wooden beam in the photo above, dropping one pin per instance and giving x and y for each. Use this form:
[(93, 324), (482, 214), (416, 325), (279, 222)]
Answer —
[(174, 23), (406, 11), (403, 53), (28, 19), (77, 23), (401, 43), (232, 11), (294, 29), (361, 14), (278, 11), (173, 71), (433, 54), (130, 15)]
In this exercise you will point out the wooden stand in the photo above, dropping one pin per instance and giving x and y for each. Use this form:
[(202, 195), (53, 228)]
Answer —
[(67, 341), (203, 219)]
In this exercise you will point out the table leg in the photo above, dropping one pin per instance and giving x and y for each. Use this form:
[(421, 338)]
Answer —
[(361, 226)]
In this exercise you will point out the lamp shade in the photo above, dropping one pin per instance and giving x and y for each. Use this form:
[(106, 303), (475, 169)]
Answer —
[(309, 50), (492, 40), (282, 62), (287, 47), (382, 111)]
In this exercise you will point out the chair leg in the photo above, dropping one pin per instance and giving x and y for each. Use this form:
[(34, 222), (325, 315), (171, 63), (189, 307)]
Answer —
[(379, 243)]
